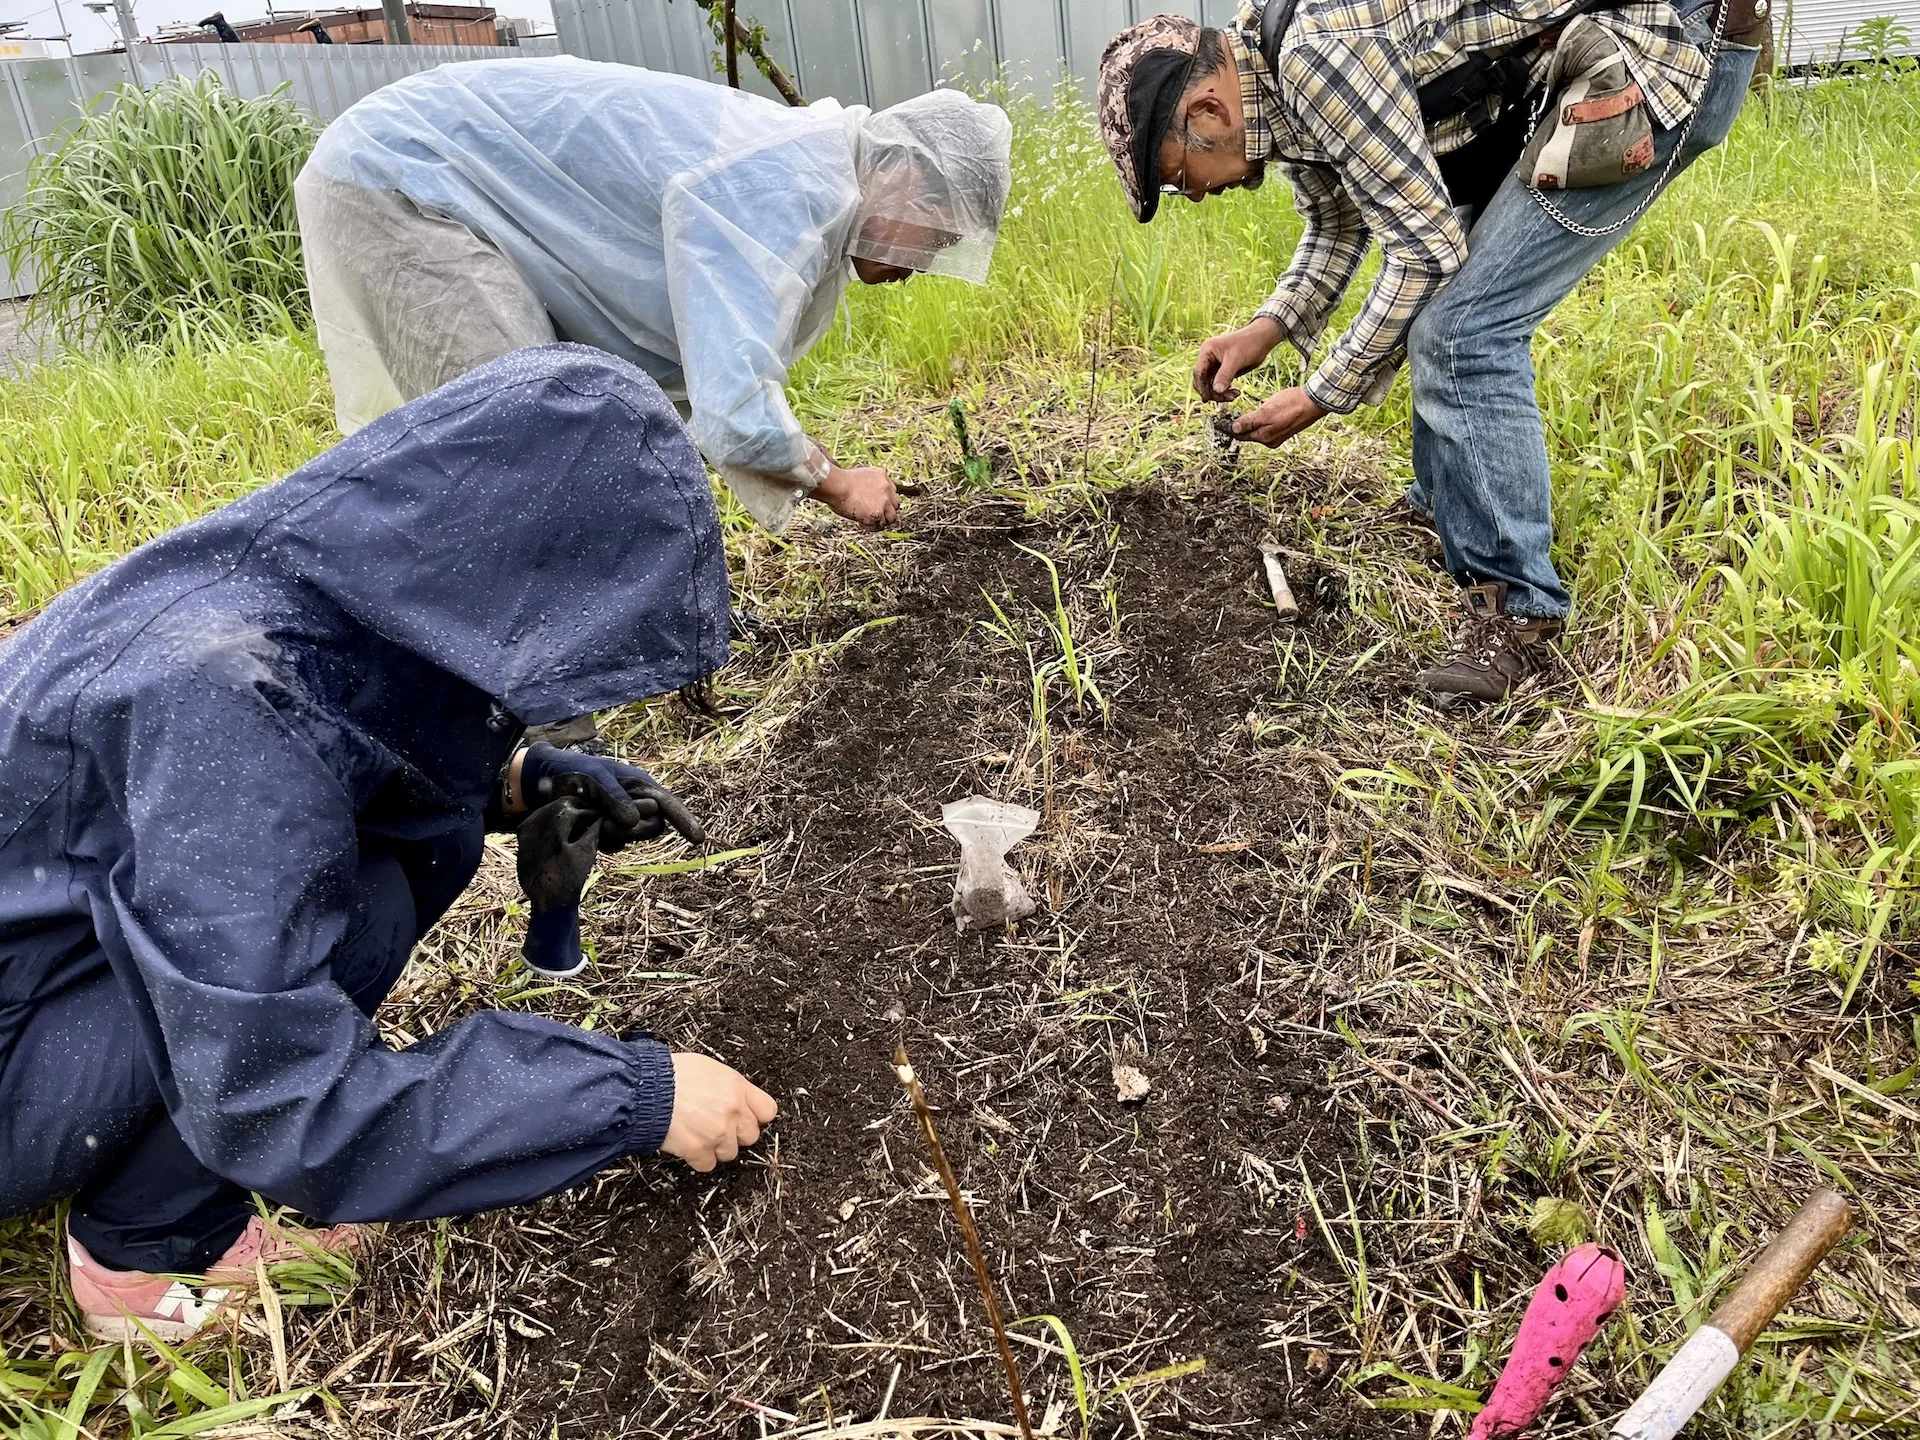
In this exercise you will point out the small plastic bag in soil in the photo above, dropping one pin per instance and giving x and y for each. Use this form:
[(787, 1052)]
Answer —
[(988, 891)]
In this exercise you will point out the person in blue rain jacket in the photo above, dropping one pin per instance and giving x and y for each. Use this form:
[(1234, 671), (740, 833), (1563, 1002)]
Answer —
[(246, 767)]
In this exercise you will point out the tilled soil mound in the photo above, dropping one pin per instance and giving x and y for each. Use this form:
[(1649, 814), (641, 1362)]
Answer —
[(1168, 1235)]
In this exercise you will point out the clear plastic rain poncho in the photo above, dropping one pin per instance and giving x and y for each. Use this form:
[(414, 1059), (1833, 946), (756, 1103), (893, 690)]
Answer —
[(700, 232), (934, 174)]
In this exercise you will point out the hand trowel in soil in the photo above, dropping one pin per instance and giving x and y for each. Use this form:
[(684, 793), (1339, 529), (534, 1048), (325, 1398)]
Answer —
[(988, 892)]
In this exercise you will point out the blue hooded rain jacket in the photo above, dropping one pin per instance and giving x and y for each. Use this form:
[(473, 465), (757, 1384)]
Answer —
[(197, 742)]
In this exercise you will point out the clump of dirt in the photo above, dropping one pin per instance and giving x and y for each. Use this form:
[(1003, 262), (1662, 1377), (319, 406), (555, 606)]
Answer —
[(824, 1275)]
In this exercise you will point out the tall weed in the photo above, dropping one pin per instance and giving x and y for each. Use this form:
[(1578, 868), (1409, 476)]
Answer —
[(166, 203), (1730, 405)]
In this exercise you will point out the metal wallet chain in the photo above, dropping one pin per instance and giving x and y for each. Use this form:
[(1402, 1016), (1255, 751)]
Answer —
[(1666, 174)]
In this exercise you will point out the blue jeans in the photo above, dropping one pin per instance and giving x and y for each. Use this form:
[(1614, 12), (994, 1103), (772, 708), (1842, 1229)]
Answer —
[(1479, 446)]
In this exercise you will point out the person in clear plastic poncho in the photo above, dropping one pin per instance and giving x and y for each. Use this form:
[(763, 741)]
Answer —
[(702, 233)]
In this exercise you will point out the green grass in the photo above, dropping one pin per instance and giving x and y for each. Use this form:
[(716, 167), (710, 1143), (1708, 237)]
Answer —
[(157, 1390), (105, 450), (1710, 859), (163, 203), (1730, 404)]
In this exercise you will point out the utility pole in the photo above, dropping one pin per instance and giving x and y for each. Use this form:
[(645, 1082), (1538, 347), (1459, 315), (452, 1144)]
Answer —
[(398, 31)]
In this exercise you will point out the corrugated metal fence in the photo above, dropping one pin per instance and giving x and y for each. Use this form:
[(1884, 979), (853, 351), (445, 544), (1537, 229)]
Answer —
[(37, 97), (875, 52), (1824, 31), (878, 52)]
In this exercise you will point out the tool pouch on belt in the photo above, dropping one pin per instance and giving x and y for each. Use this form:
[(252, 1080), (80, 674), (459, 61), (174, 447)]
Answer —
[(1596, 128), (1749, 22)]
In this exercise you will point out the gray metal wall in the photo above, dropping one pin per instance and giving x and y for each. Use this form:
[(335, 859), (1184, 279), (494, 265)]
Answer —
[(37, 97), (875, 52), (1822, 32), (881, 51)]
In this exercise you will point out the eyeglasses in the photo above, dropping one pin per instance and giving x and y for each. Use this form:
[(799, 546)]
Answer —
[(1178, 186), (1186, 79)]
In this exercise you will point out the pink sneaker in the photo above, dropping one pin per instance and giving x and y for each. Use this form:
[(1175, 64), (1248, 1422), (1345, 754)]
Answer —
[(279, 1243), (120, 1304)]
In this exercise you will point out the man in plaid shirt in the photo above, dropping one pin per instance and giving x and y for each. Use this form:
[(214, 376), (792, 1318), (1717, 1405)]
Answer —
[(1471, 261)]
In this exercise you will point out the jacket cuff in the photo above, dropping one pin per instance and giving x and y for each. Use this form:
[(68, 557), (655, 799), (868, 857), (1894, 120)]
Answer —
[(808, 474), (653, 1102)]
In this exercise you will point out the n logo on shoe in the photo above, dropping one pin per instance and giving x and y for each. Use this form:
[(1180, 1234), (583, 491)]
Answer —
[(180, 1303)]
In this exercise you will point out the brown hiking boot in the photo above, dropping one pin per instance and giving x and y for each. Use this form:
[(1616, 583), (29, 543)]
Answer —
[(1492, 651)]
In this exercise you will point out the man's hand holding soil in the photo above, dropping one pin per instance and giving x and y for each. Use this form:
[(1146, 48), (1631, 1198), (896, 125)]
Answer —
[(1280, 419), (1225, 358), (716, 1111)]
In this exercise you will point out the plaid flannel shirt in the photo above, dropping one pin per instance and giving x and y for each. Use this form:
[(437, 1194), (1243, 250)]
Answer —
[(1343, 120)]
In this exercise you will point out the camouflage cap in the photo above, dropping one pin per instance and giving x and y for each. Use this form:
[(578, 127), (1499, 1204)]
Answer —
[(1139, 68)]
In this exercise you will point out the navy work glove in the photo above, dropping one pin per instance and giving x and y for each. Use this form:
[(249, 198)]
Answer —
[(557, 844), (630, 803)]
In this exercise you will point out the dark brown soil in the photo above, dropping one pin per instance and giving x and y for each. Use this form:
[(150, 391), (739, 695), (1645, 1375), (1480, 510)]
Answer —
[(1172, 936)]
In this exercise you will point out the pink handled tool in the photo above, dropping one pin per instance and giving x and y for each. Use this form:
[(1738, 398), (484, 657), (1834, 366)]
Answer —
[(1567, 1311)]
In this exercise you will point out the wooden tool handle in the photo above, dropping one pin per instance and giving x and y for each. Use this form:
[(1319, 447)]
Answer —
[(1712, 1352), (1783, 1267), (1286, 609)]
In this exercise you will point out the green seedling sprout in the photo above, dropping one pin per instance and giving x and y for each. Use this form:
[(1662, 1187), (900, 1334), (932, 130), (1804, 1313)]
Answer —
[(976, 470), (1073, 664)]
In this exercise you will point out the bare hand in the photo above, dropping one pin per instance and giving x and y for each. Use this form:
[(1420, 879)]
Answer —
[(865, 496), (1280, 419), (716, 1110), (1225, 358)]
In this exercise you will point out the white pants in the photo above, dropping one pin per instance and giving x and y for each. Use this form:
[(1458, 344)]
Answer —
[(405, 299)]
